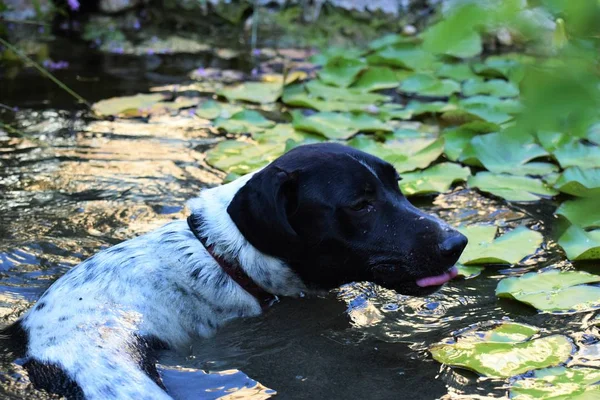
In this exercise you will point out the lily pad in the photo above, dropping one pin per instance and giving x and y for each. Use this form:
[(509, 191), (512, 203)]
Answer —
[(510, 187), (558, 383), (579, 182), (584, 212), (467, 44), (510, 66), (390, 40), (505, 152), (503, 351), (127, 106), (476, 112), (456, 140), (408, 57), (326, 92), (404, 153), (211, 109), (296, 95), (577, 154), (376, 78), (429, 86), (436, 179), (508, 106), (459, 72), (553, 291), (244, 121), (468, 271), (254, 92), (337, 125), (552, 140), (243, 156), (579, 244), (510, 248), (341, 71), (418, 108), (494, 87)]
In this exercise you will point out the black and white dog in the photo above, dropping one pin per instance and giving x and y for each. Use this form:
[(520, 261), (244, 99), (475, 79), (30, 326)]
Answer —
[(318, 217)]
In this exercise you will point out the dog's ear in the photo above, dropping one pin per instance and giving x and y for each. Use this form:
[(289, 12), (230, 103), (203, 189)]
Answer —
[(260, 210)]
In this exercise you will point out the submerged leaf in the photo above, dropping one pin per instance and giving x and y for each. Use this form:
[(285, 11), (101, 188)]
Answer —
[(510, 248), (503, 351), (579, 244), (436, 179), (510, 187), (556, 291)]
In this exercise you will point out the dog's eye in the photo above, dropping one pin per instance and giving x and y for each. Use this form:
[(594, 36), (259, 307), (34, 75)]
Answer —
[(363, 205)]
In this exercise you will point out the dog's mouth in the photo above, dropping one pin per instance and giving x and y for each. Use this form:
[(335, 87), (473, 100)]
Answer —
[(438, 280)]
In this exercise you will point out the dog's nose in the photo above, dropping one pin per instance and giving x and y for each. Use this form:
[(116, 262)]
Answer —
[(453, 246)]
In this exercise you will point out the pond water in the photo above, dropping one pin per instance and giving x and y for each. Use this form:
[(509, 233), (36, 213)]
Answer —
[(70, 187)]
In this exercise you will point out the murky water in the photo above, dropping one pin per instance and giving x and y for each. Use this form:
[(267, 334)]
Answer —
[(70, 187)]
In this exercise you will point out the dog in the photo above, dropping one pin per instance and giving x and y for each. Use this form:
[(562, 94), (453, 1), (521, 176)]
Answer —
[(318, 217)]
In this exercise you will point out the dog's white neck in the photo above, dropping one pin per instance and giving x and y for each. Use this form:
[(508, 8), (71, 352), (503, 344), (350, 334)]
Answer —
[(270, 273)]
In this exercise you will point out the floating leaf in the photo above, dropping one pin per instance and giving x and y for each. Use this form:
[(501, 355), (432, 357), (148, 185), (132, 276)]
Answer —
[(428, 85), (553, 291), (468, 272), (376, 78), (579, 182), (552, 140), (536, 169), (244, 121), (254, 92), (505, 152), (211, 109), (390, 40), (297, 96), (503, 351), (459, 72), (476, 112), (510, 187), (341, 71), (494, 87), (508, 106), (579, 244), (584, 213), (409, 57), (436, 179), (418, 108), (577, 154), (337, 125), (468, 44), (510, 248), (404, 153), (558, 383), (128, 106), (241, 156), (318, 89), (456, 140), (510, 66)]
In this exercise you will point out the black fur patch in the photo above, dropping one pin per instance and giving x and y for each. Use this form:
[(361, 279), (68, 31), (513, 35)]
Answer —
[(53, 379)]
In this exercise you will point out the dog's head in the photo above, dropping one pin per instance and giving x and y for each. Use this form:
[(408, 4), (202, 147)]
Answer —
[(336, 215)]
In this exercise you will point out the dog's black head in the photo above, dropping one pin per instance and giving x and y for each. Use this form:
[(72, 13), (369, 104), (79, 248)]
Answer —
[(336, 215)]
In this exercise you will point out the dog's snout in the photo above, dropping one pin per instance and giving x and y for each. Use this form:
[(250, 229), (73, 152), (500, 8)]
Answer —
[(453, 246)]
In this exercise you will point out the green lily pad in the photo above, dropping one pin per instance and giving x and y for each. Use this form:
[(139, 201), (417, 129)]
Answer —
[(458, 72), (584, 212), (476, 112), (510, 66), (579, 182), (254, 92), (504, 351), (579, 244), (510, 248), (510, 187), (211, 109), (376, 78), (577, 154), (467, 44), (505, 152), (318, 89), (341, 71), (244, 121), (508, 106), (456, 140), (436, 179), (553, 291), (494, 87), (390, 111), (127, 106), (552, 140), (408, 57), (536, 169), (332, 52), (418, 108), (468, 272), (337, 125), (404, 153), (296, 95), (243, 156), (558, 383), (390, 40), (429, 86)]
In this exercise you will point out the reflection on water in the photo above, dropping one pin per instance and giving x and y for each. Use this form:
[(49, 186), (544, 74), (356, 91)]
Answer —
[(69, 187)]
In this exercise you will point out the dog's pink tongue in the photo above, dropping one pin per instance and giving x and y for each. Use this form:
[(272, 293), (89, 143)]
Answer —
[(439, 279)]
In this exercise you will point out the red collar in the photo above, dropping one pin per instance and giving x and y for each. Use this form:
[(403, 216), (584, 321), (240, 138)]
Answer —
[(264, 298)]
